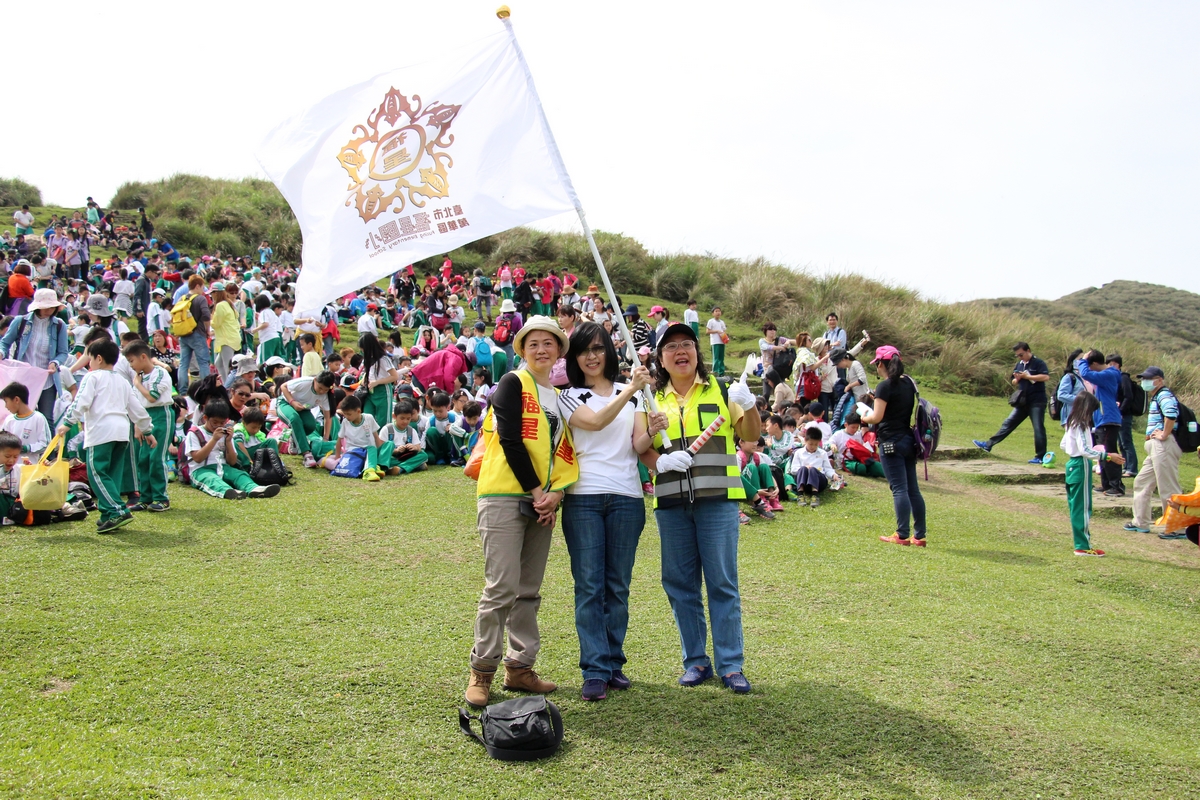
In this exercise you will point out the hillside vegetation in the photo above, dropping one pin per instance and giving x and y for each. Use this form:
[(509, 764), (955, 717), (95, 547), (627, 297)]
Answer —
[(16, 192), (965, 347)]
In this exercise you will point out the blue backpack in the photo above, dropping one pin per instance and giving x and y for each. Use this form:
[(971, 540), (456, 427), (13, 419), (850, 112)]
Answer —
[(483, 353), (351, 464)]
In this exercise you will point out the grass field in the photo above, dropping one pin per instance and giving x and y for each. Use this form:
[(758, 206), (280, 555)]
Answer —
[(315, 646)]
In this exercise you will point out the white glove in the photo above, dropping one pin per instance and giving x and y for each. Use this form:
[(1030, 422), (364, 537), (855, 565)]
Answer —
[(456, 430), (740, 393), (680, 461), (752, 362), (862, 408)]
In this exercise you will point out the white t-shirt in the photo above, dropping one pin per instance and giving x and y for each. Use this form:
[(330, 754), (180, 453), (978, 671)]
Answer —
[(33, 431), (840, 438), (715, 328), (690, 315), (305, 396), (273, 330), (366, 324), (23, 218), (106, 403), (607, 460), (216, 456), (381, 369), (360, 435)]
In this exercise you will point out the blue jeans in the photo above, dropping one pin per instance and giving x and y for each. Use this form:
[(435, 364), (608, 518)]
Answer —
[(1127, 449), (901, 471), (195, 343), (1036, 414), (701, 540), (602, 532)]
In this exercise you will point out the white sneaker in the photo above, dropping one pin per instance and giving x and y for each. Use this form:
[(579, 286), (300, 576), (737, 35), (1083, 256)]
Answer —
[(309, 461)]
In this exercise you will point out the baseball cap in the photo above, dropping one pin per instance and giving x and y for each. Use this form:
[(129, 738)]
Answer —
[(678, 327), (885, 353), (1152, 372)]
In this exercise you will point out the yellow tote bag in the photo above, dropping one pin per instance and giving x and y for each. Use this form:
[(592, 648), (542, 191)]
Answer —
[(44, 484)]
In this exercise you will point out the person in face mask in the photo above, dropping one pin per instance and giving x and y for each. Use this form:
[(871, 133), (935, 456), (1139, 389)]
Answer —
[(1160, 469)]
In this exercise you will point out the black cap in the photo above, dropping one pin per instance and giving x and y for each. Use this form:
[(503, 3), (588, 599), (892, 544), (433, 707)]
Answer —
[(1152, 372), (678, 327)]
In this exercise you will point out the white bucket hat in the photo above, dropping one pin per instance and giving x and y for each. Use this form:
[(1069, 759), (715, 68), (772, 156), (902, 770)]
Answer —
[(540, 323), (45, 298)]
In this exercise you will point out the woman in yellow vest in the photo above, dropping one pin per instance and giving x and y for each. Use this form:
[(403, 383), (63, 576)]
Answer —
[(695, 506), (528, 463)]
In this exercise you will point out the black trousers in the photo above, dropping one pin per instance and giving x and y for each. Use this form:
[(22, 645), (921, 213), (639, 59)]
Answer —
[(1110, 473), (1036, 414)]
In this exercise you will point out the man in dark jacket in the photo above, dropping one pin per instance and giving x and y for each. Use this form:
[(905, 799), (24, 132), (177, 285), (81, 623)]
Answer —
[(141, 298), (1125, 402), (1029, 376), (523, 298)]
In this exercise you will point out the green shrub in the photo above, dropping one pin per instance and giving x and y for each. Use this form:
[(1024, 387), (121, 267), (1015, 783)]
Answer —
[(230, 244), (182, 234), (16, 192)]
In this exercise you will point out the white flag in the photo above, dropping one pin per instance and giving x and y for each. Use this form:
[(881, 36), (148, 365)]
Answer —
[(413, 164)]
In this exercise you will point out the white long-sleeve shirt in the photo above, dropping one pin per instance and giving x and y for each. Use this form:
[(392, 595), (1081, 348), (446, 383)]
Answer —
[(818, 458), (106, 403), (1077, 442)]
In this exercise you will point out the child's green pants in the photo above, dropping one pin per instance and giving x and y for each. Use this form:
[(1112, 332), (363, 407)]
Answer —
[(152, 461), (216, 481), (106, 464), (718, 365), (1079, 501), (388, 459)]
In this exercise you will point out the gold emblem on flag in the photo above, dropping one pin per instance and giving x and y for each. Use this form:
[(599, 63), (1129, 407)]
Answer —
[(399, 156)]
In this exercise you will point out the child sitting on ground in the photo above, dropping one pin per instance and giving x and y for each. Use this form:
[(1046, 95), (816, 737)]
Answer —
[(472, 423), (857, 456), (815, 417), (249, 437), (811, 468), (761, 492), (358, 430), (11, 510), (210, 449), (403, 450), (27, 424), (443, 434)]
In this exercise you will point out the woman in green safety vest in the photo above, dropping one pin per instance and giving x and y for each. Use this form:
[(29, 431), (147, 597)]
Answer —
[(695, 505)]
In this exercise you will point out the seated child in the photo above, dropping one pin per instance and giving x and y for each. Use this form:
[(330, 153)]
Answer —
[(858, 457), (443, 434), (358, 430), (403, 450), (27, 424), (811, 468), (761, 492), (11, 510), (249, 437), (472, 424), (210, 448), (816, 418)]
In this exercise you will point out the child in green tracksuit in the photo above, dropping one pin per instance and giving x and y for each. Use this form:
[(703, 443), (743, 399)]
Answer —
[(1077, 444), (248, 437), (153, 385), (211, 452), (360, 430), (403, 449), (106, 404)]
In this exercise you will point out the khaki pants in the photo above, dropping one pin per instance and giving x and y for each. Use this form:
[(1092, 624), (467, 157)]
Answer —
[(1159, 471), (515, 549)]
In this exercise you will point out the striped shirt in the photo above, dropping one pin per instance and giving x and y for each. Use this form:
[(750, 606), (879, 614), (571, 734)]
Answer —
[(1163, 404)]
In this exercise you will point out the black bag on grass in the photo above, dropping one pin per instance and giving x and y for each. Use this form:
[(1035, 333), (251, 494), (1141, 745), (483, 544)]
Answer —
[(268, 468), (522, 729)]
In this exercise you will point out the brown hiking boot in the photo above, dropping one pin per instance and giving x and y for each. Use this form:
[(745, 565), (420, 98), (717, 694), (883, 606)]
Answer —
[(480, 688), (524, 679)]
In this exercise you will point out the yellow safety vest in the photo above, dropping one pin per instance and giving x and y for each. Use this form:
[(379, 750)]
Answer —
[(714, 471), (556, 470)]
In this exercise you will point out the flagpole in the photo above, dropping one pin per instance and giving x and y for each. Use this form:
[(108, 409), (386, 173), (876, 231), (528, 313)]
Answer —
[(504, 13)]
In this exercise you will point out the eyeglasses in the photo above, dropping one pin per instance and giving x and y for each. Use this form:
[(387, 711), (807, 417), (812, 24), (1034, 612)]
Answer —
[(595, 350), (674, 347), (241, 394)]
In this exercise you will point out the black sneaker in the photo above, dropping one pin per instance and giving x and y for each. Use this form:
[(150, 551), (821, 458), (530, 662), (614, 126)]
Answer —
[(136, 507), (70, 513), (156, 507), (110, 526), (270, 490), (234, 494)]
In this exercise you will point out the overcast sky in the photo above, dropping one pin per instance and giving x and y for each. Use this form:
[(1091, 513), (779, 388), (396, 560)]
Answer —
[(966, 149)]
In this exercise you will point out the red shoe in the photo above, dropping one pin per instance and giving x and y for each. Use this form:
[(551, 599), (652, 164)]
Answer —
[(1089, 552), (918, 542), (895, 539)]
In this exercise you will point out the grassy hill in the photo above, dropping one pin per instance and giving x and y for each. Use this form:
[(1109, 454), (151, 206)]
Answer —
[(965, 347)]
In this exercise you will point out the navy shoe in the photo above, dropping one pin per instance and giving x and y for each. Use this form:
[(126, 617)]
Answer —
[(619, 681), (594, 689), (737, 682), (982, 445), (695, 676)]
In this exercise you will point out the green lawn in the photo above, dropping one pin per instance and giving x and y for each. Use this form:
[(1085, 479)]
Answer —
[(315, 645)]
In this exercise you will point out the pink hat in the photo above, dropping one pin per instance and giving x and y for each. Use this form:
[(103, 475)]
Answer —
[(657, 310), (885, 353)]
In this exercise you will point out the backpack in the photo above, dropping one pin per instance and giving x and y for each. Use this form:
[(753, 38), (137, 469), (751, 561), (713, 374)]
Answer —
[(182, 320), (1186, 432), (503, 331), (927, 428), (810, 384), (784, 361), (483, 353), (485, 285), (521, 729), (185, 463), (1139, 403), (1055, 406), (351, 464), (268, 468)]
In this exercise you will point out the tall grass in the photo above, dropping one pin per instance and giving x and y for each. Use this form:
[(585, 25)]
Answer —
[(16, 192)]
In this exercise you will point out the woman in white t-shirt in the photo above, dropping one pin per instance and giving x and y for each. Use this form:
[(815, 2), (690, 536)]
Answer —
[(603, 513)]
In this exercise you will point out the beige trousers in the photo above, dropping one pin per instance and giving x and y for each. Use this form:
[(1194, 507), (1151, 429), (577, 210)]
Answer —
[(1159, 471), (515, 549)]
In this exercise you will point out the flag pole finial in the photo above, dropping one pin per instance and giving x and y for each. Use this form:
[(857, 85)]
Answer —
[(503, 12)]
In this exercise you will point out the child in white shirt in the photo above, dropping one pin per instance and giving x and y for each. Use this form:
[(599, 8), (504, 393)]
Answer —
[(403, 448), (27, 424), (811, 468), (358, 430)]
